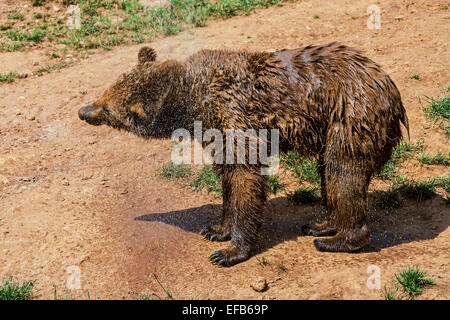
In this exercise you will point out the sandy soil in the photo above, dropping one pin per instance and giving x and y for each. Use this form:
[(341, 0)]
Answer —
[(77, 195)]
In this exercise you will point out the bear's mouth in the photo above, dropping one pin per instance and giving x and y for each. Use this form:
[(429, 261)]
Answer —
[(92, 114)]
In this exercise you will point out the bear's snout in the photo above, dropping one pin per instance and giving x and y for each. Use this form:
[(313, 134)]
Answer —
[(92, 114)]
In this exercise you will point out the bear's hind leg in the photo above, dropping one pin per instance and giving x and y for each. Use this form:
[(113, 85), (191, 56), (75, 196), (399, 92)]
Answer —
[(346, 184), (247, 200), (221, 232), (326, 228)]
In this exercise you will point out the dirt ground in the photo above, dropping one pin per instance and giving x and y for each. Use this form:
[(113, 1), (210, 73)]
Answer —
[(76, 195)]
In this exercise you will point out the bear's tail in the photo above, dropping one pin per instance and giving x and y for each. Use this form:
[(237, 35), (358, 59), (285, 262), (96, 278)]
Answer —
[(404, 118)]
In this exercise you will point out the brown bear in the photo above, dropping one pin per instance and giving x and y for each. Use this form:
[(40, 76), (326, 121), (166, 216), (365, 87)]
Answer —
[(328, 101)]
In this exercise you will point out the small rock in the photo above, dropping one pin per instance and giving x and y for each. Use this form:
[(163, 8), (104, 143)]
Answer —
[(124, 192), (259, 285), (55, 8), (65, 183)]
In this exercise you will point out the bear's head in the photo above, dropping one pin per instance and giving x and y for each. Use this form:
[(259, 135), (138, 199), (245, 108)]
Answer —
[(133, 102)]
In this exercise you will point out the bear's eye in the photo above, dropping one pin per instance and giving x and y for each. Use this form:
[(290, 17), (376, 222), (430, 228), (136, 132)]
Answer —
[(106, 111)]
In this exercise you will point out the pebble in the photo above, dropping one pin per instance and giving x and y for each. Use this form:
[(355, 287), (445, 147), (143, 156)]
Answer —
[(259, 285)]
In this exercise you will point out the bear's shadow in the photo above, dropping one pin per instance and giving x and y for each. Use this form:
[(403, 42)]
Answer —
[(414, 221)]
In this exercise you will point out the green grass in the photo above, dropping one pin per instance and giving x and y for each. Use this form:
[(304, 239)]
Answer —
[(14, 46), (279, 267), (95, 295), (445, 183), (414, 76), (413, 281), (388, 200), (16, 16), (438, 109), (6, 26), (438, 159), (275, 183), (316, 16), (207, 179), (403, 151), (174, 171), (38, 3), (416, 189), (36, 35), (9, 77), (304, 168), (408, 284), (13, 290), (304, 195), (40, 71), (137, 25), (392, 293), (153, 296), (263, 261)]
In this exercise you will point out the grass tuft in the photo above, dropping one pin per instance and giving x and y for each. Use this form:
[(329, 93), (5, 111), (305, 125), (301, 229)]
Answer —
[(14, 15), (416, 189), (9, 77), (171, 170), (389, 200), (413, 281), (263, 261), (438, 159), (275, 183), (438, 109), (207, 178), (392, 293), (403, 151), (13, 290), (40, 71), (152, 296)]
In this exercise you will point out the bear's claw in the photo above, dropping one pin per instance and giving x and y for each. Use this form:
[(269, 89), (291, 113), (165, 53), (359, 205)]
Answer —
[(227, 257), (211, 234)]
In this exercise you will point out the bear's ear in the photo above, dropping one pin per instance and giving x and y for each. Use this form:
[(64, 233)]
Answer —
[(146, 54)]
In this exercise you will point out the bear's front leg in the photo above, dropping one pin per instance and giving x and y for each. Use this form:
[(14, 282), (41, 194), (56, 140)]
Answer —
[(248, 195), (222, 232)]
